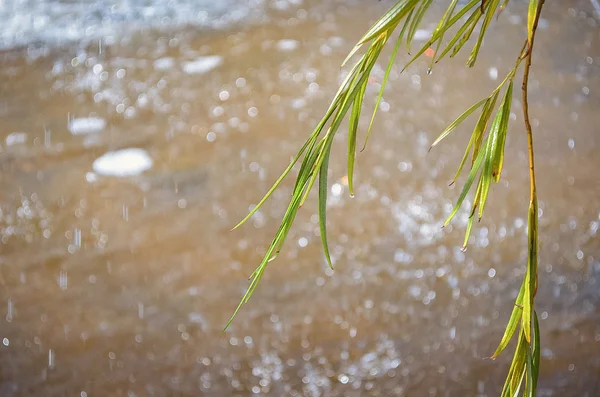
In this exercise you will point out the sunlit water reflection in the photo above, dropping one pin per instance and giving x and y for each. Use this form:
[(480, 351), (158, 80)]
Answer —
[(134, 137)]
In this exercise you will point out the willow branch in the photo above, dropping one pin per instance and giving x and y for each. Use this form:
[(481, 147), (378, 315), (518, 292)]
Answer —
[(533, 243)]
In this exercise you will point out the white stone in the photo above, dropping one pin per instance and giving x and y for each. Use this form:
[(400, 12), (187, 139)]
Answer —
[(86, 125), (202, 64), (15, 138), (287, 45), (163, 64), (123, 163)]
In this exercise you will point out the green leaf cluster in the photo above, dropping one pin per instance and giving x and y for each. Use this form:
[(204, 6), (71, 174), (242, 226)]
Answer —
[(485, 148)]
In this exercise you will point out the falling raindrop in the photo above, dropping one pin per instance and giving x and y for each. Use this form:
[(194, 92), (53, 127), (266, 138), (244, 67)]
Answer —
[(47, 134), (63, 280), (9, 315), (77, 237)]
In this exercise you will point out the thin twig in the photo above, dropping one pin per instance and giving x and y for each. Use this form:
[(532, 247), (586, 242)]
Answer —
[(532, 185)]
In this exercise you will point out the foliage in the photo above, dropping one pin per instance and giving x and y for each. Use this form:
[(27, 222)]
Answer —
[(486, 149)]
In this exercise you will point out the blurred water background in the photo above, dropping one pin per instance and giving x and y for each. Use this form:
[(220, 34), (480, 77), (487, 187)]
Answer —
[(136, 133)]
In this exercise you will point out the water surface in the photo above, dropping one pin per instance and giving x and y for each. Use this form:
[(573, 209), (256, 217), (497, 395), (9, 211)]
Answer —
[(118, 280)]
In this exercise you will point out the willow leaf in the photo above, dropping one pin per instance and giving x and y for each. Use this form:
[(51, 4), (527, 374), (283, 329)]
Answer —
[(447, 15), (490, 9), (471, 216), (490, 151), (304, 167), (436, 35), (482, 123), (531, 275), (385, 79), (486, 174), (520, 368), (257, 275), (536, 349), (352, 130), (502, 132), (464, 159), (466, 187), (390, 19), (323, 205), (352, 151), (468, 32), (458, 121), (387, 22), (517, 369), (343, 109), (531, 14), (467, 233), (275, 185), (513, 322), (502, 7), (416, 21), (441, 24), (529, 389), (475, 14), (477, 134)]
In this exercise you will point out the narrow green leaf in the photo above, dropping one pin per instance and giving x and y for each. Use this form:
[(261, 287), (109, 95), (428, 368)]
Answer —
[(529, 374), (447, 15), (513, 322), (526, 314), (347, 101), (466, 187), (436, 36), (471, 216), (533, 359), (536, 351), (502, 7), (352, 131), (352, 152), (387, 22), (464, 159), (458, 121), (467, 34), (482, 123), (490, 9), (255, 278), (304, 165), (416, 21), (275, 185), (467, 233), (390, 19), (531, 275), (473, 18), (520, 368), (323, 205), (441, 24), (531, 14), (517, 369), (502, 132), (490, 150), (384, 82)]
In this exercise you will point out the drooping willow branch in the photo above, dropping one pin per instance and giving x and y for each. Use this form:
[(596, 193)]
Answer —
[(486, 148)]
